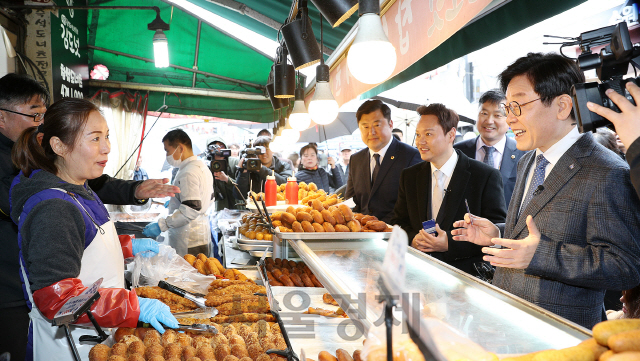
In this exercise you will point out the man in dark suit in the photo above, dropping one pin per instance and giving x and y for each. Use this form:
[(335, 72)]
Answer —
[(492, 146), (438, 188), (374, 172), (573, 227)]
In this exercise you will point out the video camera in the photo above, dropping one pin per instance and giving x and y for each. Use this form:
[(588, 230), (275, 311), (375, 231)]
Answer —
[(220, 165), (611, 65), (251, 161)]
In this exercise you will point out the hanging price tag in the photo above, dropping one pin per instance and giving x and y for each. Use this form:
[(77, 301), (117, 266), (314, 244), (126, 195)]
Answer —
[(394, 265), (76, 306)]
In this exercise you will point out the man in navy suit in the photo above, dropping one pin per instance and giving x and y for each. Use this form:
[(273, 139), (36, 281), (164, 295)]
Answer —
[(438, 188), (492, 146), (374, 172)]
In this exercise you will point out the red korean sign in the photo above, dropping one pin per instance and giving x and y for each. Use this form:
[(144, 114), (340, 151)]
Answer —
[(414, 27)]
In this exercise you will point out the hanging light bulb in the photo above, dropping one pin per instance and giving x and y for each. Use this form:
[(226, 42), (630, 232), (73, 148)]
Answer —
[(160, 43), (299, 118), (371, 58), (323, 108)]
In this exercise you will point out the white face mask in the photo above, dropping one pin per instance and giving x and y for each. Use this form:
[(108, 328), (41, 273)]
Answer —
[(173, 162)]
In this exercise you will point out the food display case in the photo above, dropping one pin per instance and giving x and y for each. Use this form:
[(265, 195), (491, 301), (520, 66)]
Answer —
[(496, 320)]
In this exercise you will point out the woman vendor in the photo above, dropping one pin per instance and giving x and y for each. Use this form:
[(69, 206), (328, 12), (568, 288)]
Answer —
[(309, 171), (66, 238)]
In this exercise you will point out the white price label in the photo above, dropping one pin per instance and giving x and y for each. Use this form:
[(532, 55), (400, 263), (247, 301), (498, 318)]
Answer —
[(74, 304), (394, 259)]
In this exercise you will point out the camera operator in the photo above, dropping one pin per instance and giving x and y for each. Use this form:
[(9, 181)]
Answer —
[(245, 175), (223, 181), (627, 125)]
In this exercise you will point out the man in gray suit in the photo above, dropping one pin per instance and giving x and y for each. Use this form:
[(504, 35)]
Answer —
[(492, 146), (573, 225)]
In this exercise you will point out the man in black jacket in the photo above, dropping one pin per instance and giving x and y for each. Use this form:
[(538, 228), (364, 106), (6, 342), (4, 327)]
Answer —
[(270, 163), (439, 187), (22, 105), (374, 172)]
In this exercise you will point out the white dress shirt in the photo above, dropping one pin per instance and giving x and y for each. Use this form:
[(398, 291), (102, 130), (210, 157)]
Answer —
[(372, 160), (553, 155), (447, 168), (497, 153)]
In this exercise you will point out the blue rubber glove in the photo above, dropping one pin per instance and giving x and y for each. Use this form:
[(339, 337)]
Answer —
[(153, 312), (152, 230), (166, 204), (147, 246)]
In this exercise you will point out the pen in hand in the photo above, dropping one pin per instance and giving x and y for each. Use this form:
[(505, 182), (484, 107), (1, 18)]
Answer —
[(468, 211)]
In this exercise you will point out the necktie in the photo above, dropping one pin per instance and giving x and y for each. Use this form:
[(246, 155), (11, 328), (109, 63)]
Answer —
[(488, 155), (438, 192), (376, 169), (536, 181)]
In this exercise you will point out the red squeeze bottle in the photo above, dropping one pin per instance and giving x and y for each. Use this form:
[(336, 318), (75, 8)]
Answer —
[(270, 190), (291, 191)]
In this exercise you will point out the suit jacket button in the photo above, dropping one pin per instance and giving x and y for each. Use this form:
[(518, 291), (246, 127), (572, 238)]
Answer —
[(513, 156), (392, 157)]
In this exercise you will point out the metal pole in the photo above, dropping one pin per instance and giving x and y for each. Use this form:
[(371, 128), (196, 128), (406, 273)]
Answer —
[(195, 61), (76, 355)]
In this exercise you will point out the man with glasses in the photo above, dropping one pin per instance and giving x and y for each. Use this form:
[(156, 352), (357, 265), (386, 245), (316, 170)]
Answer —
[(22, 105), (492, 146), (573, 227)]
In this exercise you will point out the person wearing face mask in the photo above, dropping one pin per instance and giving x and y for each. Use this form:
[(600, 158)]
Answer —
[(188, 226)]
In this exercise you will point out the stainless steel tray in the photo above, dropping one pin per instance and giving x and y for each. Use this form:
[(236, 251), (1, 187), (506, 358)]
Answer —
[(250, 247), (255, 242), (260, 253), (328, 236)]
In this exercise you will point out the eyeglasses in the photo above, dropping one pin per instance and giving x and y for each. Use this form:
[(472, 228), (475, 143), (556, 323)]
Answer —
[(37, 117), (514, 107)]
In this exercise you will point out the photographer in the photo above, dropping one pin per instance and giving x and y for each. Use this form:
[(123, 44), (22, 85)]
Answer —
[(627, 125), (223, 183), (258, 177)]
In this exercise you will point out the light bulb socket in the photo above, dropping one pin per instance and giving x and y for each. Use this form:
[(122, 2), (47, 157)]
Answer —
[(322, 73), (284, 76), (159, 36), (368, 7), (336, 11), (301, 42), (158, 24), (299, 94)]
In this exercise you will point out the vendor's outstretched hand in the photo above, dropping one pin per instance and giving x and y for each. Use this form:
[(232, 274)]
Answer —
[(480, 232), (147, 246), (518, 253), (156, 188), (627, 122), (155, 312), (152, 230)]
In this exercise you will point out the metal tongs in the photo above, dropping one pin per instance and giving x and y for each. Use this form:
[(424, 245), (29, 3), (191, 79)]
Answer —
[(199, 301), (199, 328)]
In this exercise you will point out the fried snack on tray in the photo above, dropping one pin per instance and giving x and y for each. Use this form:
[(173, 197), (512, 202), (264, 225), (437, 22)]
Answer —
[(215, 284), (243, 317), (328, 299), (261, 305), (327, 313), (245, 288), (215, 301), (175, 302)]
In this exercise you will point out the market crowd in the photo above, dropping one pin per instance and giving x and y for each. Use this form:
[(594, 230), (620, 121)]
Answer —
[(550, 215)]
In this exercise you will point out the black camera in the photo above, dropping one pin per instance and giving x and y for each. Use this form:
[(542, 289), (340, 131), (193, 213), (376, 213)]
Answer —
[(611, 65), (218, 165), (251, 161)]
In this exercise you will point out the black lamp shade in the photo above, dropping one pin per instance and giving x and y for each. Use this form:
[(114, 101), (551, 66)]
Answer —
[(302, 44), (336, 11), (284, 79), (276, 103)]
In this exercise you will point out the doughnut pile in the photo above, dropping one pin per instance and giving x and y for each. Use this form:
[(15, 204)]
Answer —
[(318, 218), (289, 273), (211, 266), (234, 342)]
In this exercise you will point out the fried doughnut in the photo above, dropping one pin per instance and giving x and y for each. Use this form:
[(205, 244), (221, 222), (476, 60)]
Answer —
[(288, 217), (343, 355), (173, 350), (306, 280), (328, 299), (366, 219), (297, 227), (292, 264), (317, 205), (99, 352), (254, 351), (194, 358), (356, 355), (200, 341), (304, 216), (211, 267), (307, 227), (199, 265), (229, 274), (328, 227), (358, 216), (236, 340), (218, 264), (278, 262), (118, 358), (153, 350), (222, 351), (246, 358), (138, 357), (229, 331), (297, 281), (313, 187), (317, 216), (376, 225), (317, 227), (275, 283), (342, 228), (150, 337), (239, 351), (346, 212), (202, 257), (315, 281), (276, 223), (286, 280), (243, 331), (284, 229), (263, 357), (220, 339), (205, 353), (190, 258), (285, 271), (136, 347), (291, 210), (275, 216), (326, 215), (252, 338), (269, 261), (277, 272), (338, 217), (123, 331), (354, 226), (326, 356), (169, 336), (128, 339), (231, 358), (329, 202), (183, 339), (188, 352)]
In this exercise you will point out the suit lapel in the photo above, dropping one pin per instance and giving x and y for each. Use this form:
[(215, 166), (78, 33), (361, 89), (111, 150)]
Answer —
[(423, 184), (387, 163), (458, 184), (506, 167), (518, 193)]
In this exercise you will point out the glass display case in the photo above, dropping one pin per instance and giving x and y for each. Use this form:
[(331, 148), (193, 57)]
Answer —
[(496, 320)]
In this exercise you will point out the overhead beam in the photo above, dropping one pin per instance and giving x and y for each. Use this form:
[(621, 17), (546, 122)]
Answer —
[(176, 89), (237, 81)]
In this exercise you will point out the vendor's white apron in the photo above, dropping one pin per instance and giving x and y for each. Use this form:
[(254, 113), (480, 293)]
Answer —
[(103, 258)]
